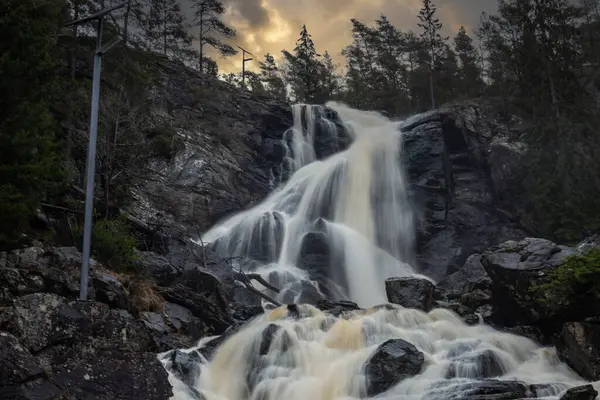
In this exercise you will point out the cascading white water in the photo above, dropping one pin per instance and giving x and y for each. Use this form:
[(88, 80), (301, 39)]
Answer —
[(316, 356), (357, 197), (357, 200)]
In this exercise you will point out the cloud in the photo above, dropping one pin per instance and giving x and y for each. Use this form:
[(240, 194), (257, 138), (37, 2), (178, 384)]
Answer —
[(268, 26)]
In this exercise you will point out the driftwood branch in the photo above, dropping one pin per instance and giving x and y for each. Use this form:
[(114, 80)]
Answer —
[(259, 279)]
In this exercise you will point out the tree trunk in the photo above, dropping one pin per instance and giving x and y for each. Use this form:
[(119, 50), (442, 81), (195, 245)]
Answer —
[(126, 22), (201, 39)]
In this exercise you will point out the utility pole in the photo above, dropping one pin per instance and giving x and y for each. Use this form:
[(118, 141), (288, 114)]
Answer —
[(91, 160), (244, 59)]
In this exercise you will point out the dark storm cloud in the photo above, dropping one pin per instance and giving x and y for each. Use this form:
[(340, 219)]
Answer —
[(252, 11)]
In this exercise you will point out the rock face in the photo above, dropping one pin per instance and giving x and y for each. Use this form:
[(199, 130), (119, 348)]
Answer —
[(107, 347), (410, 292), (461, 165), (392, 362), (59, 349), (579, 345)]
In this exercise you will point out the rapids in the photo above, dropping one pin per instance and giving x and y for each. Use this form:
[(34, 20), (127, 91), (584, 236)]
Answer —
[(358, 200)]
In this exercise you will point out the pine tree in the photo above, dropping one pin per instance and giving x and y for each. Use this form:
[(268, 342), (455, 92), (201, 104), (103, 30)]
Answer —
[(362, 75), (166, 31), (470, 82), (432, 40), (269, 75), (29, 158), (303, 68), (391, 49), (211, 29), (329, 85)]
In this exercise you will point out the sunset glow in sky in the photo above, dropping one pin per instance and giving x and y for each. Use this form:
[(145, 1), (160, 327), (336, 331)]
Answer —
[(268, 26)]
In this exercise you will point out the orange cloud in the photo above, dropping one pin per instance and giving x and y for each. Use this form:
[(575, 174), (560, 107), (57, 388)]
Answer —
[(277, 24)]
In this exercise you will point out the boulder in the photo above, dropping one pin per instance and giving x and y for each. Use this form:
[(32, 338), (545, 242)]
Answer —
[(513, 268), (470, 277), (481, 390), (586, 392), (410, 292), (579, 346), (392, 362), (337, 308), (481, 365), (186, 366)]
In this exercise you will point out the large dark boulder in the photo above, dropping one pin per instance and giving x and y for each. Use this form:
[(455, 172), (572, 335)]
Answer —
[(578, 344), (514, 267), (392, 362), (586, 392), (410, 292)]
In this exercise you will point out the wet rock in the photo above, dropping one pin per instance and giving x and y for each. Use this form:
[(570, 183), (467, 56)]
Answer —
[(315, 257), (209, 348), (579, 346), (470, 277), (302, 292), (475, 366), (186, 366), (476, 298), (392, 362), (530, 332), (216, 317), (514, 267), (481, 390), (586, 392), (337, 308), (410, 292)]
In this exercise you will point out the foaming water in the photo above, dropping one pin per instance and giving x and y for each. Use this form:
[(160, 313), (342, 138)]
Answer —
[(313, 355), (355, 199)]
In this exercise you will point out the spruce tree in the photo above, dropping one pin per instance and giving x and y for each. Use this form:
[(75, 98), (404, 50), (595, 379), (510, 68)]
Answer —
[(303, 68), (432, 41), (211, 29), (329, 84), (270, 76), (29, 158), (470, 82), (166, 31)]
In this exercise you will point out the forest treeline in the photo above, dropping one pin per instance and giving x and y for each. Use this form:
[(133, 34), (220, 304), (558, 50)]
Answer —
[(538, 58)]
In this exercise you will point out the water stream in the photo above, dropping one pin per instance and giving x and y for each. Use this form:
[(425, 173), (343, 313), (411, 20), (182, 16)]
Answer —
[(354, 204)]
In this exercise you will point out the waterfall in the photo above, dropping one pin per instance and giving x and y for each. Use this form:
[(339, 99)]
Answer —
[(355, 199), (339, 224)]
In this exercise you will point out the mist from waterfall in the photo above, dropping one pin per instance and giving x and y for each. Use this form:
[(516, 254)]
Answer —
[(356, 202), (356, 198)]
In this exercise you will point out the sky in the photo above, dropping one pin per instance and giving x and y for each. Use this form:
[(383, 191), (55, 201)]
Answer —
[(269, 26)]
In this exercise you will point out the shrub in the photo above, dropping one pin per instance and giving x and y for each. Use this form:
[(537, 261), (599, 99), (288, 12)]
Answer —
[(575, 282), (112, 244)]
